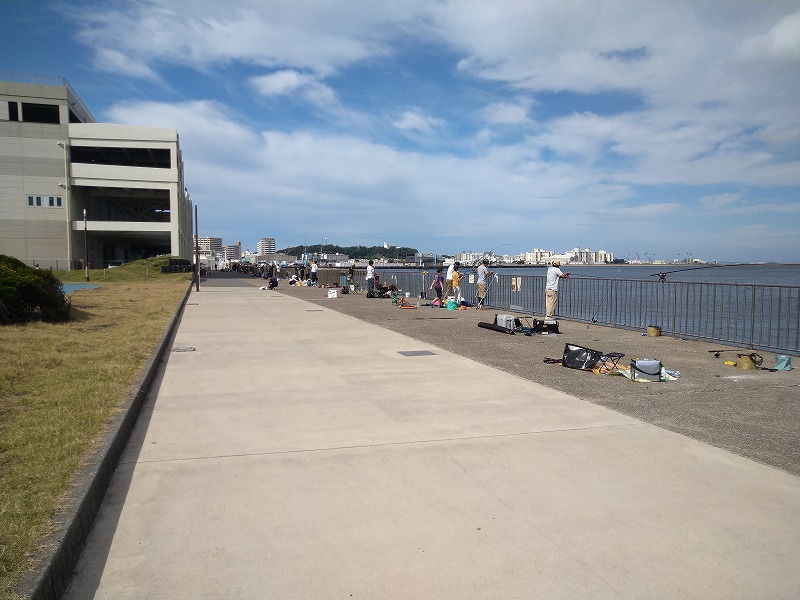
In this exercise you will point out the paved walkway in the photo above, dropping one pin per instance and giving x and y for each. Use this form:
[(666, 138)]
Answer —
[(299, 452)]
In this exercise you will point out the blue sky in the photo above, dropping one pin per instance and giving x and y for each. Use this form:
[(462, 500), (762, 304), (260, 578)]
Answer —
[(655, 128)]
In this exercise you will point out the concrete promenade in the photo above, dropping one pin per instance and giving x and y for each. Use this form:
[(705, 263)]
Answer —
[(290, 450)]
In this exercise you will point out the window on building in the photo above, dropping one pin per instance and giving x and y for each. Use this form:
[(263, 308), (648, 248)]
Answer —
[(45, 201), (13, 111), (40, 113), (125, 157)]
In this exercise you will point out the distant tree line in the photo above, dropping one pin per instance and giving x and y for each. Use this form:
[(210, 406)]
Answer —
[(356, 252)]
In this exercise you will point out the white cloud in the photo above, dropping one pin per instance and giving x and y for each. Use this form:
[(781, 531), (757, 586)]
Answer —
[(781, 43), (321, 36), (289, 82), (712, 90), (107, 59), (415, 121), (507, 113), (720, 201), (281, 82)]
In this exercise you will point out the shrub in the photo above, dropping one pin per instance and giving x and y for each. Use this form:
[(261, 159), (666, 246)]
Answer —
[(28, 294)]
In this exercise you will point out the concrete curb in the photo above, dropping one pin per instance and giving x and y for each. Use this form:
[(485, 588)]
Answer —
[(63, 547)]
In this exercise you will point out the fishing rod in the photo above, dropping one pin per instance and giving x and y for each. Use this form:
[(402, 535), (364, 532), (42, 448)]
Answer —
[(662, 276), (494, 277)]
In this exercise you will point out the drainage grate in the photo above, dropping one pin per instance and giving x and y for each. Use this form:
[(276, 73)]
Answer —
[(314, 310), (183, 349), (417, 353)]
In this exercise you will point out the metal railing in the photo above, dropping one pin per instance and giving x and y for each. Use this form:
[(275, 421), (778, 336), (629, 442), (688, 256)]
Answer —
[(761, 317)]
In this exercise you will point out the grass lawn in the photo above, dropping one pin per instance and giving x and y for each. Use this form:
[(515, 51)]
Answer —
[(60, 385)]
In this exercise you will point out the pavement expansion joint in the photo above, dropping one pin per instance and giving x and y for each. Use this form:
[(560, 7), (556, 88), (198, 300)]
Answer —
[(384, 444)]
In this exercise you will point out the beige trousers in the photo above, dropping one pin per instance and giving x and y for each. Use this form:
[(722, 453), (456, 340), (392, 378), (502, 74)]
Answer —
[(551, 299)]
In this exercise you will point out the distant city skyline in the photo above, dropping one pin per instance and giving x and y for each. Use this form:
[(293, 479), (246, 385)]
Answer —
[(656, 127)]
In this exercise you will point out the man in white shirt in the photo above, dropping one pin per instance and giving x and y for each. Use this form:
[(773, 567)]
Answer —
[(314, 268), (554, 275), (370, 277), (483, 275), (448, 280)]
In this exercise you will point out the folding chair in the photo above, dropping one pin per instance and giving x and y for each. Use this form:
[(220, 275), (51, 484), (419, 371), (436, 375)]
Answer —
[(608, 361)]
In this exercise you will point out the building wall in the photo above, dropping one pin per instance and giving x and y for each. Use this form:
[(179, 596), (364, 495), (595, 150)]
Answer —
[(33, 164), (213, 244), (36, 160), (266, 246)]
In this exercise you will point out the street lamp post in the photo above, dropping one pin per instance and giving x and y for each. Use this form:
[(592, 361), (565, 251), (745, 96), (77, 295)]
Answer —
[(85, 246)]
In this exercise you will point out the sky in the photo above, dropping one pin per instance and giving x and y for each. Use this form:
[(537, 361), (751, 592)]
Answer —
[(647, 128)]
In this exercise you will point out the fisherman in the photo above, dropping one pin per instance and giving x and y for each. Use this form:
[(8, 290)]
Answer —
[(554, 275), (483, 274), (370, 278), (448, 279)]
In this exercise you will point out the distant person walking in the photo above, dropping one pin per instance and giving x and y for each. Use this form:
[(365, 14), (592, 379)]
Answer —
[(554, 275), (314, 269), (437, 285), (370, 278)]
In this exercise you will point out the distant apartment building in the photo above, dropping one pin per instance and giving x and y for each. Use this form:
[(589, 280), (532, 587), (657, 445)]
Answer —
[(209, 244), (233, 252), (468, 258), (266, 246), (209, 250), (589, 257), (537, 256), (72, 189)]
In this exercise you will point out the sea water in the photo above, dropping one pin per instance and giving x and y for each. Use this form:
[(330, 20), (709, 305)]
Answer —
[(766, 274)]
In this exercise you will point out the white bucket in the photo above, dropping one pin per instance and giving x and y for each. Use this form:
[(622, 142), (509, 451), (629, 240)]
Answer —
[(332, 293)]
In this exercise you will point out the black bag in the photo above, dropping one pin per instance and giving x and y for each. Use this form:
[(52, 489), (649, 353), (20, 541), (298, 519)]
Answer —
[(578, 357), (372, 295), (545, 326), (345, 289)]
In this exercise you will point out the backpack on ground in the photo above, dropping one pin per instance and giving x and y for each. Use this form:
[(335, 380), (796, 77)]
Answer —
[(578, 357)]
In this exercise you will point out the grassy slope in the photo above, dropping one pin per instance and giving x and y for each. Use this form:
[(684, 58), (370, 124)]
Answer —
[(59, 387)]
